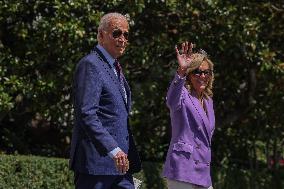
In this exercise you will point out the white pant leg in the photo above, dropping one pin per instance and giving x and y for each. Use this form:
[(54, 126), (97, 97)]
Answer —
[(173, 184)]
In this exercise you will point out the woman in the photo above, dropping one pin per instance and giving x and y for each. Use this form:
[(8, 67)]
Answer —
[(189, 99)]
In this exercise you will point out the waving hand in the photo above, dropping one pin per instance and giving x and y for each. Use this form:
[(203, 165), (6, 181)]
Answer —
[(184, 57)]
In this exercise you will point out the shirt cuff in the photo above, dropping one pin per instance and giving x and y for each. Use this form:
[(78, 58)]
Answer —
[(114, 152)]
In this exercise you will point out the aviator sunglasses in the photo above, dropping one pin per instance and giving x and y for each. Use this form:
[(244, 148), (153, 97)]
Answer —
[(117, 33), (199, 72)]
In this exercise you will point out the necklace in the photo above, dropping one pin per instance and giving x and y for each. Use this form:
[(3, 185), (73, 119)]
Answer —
[(201, 100)]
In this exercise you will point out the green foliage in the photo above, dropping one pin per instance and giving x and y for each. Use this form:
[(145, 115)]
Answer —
[(34, 172), (28, 172), (236, 178), (41, 42)]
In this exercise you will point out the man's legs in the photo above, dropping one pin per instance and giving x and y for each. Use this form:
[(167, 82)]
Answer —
[(86, 181), (124, 182)]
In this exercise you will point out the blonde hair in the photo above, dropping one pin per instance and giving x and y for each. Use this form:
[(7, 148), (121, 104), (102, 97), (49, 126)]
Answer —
[(197, 60)]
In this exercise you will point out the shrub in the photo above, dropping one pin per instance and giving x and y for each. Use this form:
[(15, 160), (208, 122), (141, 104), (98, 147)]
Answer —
[(33, 172), (27, 172)]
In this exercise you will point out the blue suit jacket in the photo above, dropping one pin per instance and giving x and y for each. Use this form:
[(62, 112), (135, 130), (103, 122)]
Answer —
[(101, 118)]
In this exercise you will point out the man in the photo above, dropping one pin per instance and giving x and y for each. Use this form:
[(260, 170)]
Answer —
[(103, 153)]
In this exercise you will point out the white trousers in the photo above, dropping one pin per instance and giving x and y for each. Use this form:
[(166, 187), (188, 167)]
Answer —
[(173, 184)]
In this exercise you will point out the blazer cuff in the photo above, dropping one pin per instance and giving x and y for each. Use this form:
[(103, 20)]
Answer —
[(179, 77), (179, 80)]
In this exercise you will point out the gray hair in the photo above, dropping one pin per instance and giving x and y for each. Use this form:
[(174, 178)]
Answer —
[(105, 20)]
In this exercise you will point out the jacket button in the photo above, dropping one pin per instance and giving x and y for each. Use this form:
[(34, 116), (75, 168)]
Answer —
[(208, 164), (196, 161)]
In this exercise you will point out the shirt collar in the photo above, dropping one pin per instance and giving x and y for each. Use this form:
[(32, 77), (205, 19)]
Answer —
[(106, 54)]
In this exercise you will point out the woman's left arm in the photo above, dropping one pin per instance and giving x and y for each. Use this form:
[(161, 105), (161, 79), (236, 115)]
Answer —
[(175, 91)]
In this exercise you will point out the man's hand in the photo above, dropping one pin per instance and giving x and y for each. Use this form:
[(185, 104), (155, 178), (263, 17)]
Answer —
[(121, 162)]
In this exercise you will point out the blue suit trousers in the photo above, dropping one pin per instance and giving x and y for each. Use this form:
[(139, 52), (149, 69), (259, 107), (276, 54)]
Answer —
[(86, 181)]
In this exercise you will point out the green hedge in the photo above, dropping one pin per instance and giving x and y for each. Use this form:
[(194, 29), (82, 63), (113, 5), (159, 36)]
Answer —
[(33, 172), (27, 172)]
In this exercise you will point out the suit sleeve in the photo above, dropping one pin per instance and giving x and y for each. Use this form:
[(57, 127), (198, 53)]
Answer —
[(174, 93), (88, 87)]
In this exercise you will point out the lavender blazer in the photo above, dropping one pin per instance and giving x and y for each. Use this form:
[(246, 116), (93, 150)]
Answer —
[(189, 155)]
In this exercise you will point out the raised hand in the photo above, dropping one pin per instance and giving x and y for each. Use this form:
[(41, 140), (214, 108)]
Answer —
[(121, 162), (184, 57)]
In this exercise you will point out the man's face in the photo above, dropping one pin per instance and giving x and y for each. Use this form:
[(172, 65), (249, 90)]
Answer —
[(115, 38)]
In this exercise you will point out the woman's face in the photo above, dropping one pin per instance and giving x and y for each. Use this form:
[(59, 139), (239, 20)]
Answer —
[(200, 77)]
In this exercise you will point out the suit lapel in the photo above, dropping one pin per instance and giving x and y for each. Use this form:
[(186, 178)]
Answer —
[(210, 114), (111, 73), (203, 116), (128, 93)]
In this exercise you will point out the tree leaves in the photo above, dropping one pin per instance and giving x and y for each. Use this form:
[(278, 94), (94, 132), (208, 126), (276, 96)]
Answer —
[(41, 42)]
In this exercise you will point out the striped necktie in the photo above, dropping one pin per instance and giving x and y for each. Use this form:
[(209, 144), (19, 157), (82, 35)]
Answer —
[(118, 70), (119, 75)]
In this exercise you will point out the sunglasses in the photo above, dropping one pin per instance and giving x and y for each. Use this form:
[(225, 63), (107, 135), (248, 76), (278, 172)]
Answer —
[(117, 33), (199, 72)]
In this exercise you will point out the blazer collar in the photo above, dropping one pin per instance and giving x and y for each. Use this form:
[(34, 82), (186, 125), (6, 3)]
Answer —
[(210, 115), (107, 56), (201, 112)]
